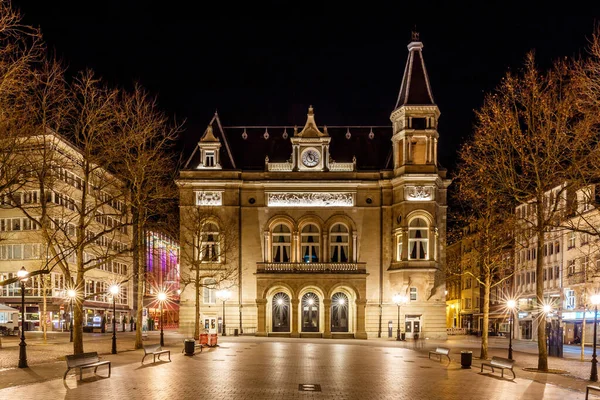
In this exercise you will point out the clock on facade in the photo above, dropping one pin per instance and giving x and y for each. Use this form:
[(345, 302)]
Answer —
[(310, 157)]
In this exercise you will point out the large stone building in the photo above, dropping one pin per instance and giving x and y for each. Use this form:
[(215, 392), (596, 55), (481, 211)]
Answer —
[(328, 224)]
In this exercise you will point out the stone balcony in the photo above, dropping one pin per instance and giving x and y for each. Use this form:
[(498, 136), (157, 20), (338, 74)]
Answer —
[(311, 268)]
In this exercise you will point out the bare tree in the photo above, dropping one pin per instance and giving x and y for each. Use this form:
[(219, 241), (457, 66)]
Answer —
[(530, 138), (488, 235), (143, 159), (209, 243)]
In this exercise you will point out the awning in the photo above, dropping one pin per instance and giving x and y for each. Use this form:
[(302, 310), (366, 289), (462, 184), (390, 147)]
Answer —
[(4, 308)]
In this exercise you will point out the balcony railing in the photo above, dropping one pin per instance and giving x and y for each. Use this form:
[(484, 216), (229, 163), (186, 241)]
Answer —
[(327, 268), (576, 277)]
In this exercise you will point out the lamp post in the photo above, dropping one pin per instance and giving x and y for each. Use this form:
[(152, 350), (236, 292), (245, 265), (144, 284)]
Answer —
[(114, 290), (511, 306), (594, 373), (23, 275), (224, 295), (398, 300), (71, 293), (162, 296)]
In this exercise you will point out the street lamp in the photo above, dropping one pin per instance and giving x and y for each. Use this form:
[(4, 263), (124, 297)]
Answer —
[(23, 275), (398, 300), (224, 295), (114, 290), (71, 293), (162, 296), (511, 304), (594, 373)]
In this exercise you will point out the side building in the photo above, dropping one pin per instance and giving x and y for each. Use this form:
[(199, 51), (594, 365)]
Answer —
[(319, 231), (26, 243)]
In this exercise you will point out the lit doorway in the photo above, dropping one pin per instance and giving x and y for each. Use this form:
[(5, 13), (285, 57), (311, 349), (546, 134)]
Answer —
[(310, 312), (339, 312), (281, 312)]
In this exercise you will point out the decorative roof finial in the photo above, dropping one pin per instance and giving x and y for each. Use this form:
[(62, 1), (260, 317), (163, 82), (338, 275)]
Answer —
[(415, 34), (310, 110)]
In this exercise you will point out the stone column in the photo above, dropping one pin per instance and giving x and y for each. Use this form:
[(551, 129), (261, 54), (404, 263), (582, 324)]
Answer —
[(327, 318), (295, 250), (267, 247), (294, 304), (261, 329), (361, 330), (325, 248), (354, 246)]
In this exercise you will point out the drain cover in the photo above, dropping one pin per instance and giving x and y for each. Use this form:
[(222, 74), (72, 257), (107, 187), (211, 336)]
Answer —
[(309, 387)]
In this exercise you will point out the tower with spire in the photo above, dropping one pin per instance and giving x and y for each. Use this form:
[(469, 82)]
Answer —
[(418, 210)]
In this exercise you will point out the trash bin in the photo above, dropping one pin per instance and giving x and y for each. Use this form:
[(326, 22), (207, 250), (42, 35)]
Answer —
[(236, 332), (189, 346), (466, 358), (403, 336)]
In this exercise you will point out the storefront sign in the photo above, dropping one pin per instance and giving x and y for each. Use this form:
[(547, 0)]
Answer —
[(577, 315)]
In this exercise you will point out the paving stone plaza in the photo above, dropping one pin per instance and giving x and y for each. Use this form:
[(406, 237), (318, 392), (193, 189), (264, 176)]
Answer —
[(276, 368)]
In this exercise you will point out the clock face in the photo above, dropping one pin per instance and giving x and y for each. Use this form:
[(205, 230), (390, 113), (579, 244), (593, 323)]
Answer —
[(310, 157)]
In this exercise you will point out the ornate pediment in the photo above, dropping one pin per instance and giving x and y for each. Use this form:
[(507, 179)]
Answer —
[(419, 193), (209, 198)]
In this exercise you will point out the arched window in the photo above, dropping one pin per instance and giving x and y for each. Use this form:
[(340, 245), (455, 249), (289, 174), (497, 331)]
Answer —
[(281, 312), (282, 241), (339, 243), (339, 312), (310, 243), (418, 240), (209, 246)]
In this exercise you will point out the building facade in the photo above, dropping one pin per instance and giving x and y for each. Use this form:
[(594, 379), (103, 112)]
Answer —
[(328, 224), (24, 244), (162, 275), (571, 259)]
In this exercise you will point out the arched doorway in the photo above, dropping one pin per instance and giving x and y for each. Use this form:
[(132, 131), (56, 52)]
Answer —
[(281, 312), (339, 312), (310, 312)]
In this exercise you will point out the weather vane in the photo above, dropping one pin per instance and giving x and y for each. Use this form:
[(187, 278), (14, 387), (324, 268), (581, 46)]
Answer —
[(415, 34)]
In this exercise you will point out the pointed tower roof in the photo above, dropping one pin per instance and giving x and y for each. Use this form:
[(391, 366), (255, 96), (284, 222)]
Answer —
[(415, 88), (310, 128), (209, 136)]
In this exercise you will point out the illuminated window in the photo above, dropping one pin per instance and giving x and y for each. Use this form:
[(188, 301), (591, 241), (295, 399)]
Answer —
[(399, 247), (209, 245), (339, 243), (310, 237), (413, 294), (209, 294), (282, 240), (209, 159), (418, 239)]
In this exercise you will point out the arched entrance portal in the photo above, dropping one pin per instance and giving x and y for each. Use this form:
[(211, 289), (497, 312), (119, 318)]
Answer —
[(310, 312), (339, 312), (281, 312)]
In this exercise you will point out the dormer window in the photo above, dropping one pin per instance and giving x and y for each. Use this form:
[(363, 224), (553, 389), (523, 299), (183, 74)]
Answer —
[(209, 159)]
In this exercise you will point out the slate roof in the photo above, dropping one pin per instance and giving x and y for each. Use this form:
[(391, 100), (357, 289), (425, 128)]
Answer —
[(372, 153), (415, 88)]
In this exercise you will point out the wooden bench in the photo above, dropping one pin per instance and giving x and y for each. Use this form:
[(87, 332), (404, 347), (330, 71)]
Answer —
[(155, 350), (440, 351), (84, 360), (591, 387), (501, 363)]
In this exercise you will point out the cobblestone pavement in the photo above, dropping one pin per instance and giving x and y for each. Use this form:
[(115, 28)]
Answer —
[(269, 368)]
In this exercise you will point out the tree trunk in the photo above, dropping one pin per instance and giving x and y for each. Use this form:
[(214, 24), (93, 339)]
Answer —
[(583, 332), (486, 315), (197, 307), (139, 266), (44, 316), (539, 291)]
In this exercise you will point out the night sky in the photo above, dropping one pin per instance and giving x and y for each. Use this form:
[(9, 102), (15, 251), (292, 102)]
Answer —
[(261, 63)]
